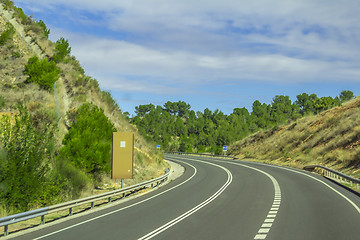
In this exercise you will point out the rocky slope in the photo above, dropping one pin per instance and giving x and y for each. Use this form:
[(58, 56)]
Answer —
[(72, 90)]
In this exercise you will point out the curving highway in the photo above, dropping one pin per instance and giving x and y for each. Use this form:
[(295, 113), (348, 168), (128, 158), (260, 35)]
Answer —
[(223, 199)]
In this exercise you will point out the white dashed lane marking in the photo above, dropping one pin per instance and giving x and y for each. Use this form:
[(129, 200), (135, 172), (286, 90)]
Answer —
[(266, 226), (270, 218)]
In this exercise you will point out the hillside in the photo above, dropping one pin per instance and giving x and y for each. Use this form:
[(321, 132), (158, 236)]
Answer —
[(22, 39), (331, 138)]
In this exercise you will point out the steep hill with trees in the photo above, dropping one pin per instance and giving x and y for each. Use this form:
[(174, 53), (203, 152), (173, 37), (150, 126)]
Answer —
[(56, 123), (331, 138)]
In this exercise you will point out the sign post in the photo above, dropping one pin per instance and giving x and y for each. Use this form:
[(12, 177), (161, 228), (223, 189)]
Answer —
[(224, 149), (122, 155)]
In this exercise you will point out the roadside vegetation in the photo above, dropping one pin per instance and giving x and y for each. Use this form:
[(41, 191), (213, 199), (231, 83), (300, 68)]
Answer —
[(55, 147), (44, 72), (178, 128), (25, 154), (7, 34), (331, 138)]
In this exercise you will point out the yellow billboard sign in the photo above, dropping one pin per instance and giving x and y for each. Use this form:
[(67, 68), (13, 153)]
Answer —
[(122, 155)]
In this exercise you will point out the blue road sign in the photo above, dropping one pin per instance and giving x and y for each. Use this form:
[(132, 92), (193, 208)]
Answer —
[(224, 148)]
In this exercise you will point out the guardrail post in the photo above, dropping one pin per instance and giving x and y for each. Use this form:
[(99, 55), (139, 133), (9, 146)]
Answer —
[(42, 219), (122, 186), (109, 199), (5, 230), (92, 205), (70, 211)]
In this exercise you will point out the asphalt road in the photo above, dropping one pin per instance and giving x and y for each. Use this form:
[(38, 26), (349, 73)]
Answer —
[(223, 199)]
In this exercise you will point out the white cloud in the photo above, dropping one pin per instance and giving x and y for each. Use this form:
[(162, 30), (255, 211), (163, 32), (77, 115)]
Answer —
[(168, 70), (200, 42)]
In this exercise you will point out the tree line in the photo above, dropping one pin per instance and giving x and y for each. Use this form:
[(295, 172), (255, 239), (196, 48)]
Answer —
[(175, 127)]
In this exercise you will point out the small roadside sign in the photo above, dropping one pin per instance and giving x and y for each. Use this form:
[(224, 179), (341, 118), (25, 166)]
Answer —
[(224, 148), (158, 146)]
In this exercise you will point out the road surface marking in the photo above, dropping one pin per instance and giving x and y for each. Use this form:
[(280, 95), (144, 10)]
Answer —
[(266, 225), (196, 208), (269, 220), (260, 236), (264, 230), (118, 210), (306, 174), (277, 199)]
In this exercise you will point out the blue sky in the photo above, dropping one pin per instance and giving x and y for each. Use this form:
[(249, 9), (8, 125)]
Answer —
[(216, 54)]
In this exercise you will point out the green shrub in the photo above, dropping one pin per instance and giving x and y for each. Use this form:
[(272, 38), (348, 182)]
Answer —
[(87, 144), (24, 160), (16, 54), (19, 13), (7, 5), (346, 95), (73, 180), (43, 26), (7, 34), (42, 72), (62, 49)]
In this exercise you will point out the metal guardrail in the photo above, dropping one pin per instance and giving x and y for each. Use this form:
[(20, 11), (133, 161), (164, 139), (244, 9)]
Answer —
[(333, 174), (41, 212), (202, 154), (325, 171)]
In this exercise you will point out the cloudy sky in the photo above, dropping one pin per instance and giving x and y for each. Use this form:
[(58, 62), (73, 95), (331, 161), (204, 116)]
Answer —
[(216, 54)]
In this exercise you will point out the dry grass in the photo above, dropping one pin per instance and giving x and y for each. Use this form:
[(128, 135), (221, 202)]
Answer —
[(331, 138)]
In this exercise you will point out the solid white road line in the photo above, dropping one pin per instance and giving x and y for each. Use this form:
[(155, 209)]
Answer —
[(121, 209), (193, 210)]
